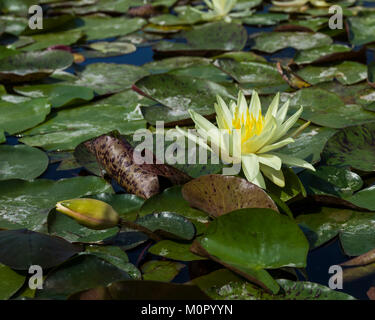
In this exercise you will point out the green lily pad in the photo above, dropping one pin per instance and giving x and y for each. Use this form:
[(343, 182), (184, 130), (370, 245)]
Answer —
[(21, 115), (97, 28), (59, 95), (105, 49), (174, 250), (208, 72), (10, 281), (327, 109), (33, 66), (108, 6), (273, 41), (158, 270), (347, 72), (354, 228), (66, 129), (184, 17), (68, 279), (107, 78), (179, 94), (14, 25), (327, 180), (252, 74), (371, 74), (215, 36), (26, 204), (169, 64), (311, 24), (46, 40), (361, 29), (2, 136), (115, 256), (7, 52), (352, 146), (168, 224), (218, 194), (312, 55), (171, 200), (265, 19), (251, 240), (21, 162), (33, 249), (364, 198)]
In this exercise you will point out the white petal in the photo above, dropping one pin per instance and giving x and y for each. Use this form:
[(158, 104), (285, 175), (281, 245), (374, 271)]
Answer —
[(250, 167), (273, 107), (242, 104), (284, 128), (276, 176), (270, 160), (193, 138), (296, 162), (276, 145), (254, 106), (200, 121), (259, 180), (281, 114), (223, 112)]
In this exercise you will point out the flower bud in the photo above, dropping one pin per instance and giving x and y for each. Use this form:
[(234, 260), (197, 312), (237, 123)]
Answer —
[(91, 213)]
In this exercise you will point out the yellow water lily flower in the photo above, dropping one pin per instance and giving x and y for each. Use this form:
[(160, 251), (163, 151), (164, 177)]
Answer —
[(245, 136)]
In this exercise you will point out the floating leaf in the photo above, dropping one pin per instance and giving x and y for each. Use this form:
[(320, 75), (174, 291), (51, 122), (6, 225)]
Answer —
[(33, 249), (21, 162), (251, 240), (10, 281), (109, 49), (361, 29), (354, 228), (265, 18), (215, 36), (107, 78), (347, 72), (168, 224), (158, 270), (364, 198), (46, 40), (59, 95), (320, 53), (26, 204), (21, 115), (33, 66), (67, 128), (107, 27), (174, 250), (67, 278), (352, 146), (273, 41), (219, 194)]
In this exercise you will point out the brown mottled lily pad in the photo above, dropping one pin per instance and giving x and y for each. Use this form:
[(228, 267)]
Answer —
[(218, 194), (121, 162)]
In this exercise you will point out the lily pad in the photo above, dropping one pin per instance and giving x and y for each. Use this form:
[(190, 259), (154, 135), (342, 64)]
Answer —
[(171, 200), (316, 54), (59, 95), (109, 49), (352, 146), (273, 41), (33, 66), (115, 256), (328, 180), (181, 93), (107, 78), (169, 64), (215, 36), (10, 281), (174, 250), (364, 198), (265, 18), (21, 162), (327, 109), (158, 270), (251, 240), (354, 228), (361, 29), (97, 28), (347, 72), (26, 204), (21, 115), (33, 249), (66, 129), (219, 194), (67, 279), (168, 224)]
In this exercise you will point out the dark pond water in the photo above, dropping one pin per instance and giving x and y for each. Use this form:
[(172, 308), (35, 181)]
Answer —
[(319, 260)]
